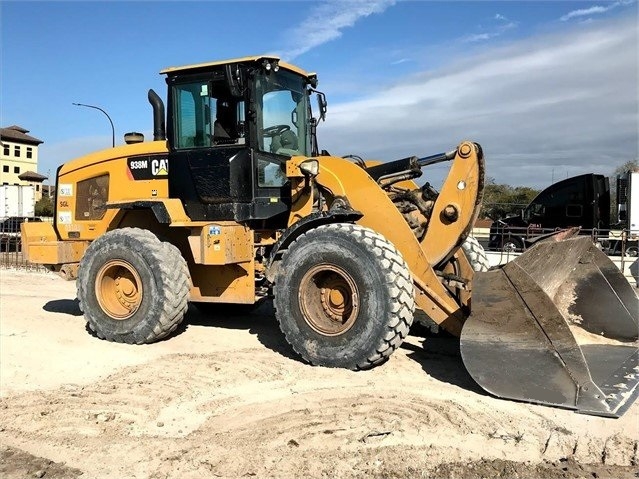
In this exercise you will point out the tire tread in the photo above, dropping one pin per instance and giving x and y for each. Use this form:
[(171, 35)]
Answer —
[(476, 254), (399, 283), (174, 278)]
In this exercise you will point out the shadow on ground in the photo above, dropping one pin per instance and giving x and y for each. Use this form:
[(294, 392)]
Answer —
[(440, 358), (258, 320), (63, 306)]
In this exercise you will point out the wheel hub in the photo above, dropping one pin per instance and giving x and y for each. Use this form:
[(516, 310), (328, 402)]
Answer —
[(336, 298), (118, 289), (329, 299)]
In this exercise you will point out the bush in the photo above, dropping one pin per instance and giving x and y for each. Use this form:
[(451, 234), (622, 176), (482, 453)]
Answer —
[(503, 200), (44, 207)]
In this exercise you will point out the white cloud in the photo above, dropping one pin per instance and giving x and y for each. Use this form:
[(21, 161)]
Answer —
[(587, 11), (504, 26), (480, 37), (566, 102), (594, 10), (326, 22)]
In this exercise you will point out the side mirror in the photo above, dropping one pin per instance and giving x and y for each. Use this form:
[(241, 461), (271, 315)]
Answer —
[(321, 104)]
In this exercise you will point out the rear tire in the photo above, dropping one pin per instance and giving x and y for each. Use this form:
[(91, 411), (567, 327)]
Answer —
[(345, 297), (132, 287), (475, 253)]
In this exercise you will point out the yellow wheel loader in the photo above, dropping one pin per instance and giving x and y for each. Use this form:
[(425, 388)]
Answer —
[(234, 202)]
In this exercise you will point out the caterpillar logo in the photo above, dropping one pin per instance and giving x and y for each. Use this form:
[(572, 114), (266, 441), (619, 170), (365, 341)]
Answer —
[(148, 168), (160, 167)]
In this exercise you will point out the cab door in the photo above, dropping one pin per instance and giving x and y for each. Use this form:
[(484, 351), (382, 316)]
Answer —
[(211, 174)]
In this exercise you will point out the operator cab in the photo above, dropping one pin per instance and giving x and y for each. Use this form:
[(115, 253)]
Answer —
[(231, 127)]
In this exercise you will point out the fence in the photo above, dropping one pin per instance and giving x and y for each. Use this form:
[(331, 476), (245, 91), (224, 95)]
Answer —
[(613, 242), (11, 243), (502, 237), (503, 244)]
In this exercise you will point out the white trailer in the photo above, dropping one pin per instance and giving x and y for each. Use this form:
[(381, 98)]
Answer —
[(17, 200), (628, 209), (632, 201)]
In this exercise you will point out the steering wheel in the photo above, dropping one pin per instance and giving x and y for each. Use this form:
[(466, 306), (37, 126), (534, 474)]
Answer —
[(275, 130)]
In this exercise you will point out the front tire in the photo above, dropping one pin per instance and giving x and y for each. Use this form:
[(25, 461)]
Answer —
[(132, 287), (344, 297)]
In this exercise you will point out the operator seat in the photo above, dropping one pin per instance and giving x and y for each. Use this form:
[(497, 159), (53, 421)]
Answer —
[(285, 144)]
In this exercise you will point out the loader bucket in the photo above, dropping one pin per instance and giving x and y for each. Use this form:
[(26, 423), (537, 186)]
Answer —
[(556, 326)]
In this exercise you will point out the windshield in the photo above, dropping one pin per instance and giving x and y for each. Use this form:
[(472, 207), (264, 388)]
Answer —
[(565, 198), (283, 109), (534, 209)]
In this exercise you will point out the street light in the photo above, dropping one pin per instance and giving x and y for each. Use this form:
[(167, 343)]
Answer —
[(107, 115)]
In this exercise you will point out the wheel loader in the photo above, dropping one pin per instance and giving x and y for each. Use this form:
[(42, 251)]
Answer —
[(233, 202)]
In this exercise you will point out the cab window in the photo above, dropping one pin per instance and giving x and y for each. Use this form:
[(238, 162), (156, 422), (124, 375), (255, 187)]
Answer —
[(206, 115)]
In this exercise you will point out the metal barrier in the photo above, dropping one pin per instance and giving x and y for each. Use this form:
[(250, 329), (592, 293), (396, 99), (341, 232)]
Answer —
[(512, 238), (622, 249), (11, 243), (11, 255), (613, 243)]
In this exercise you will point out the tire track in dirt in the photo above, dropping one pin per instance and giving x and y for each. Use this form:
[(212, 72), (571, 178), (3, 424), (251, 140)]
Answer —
[(247, 408), (226, 398)]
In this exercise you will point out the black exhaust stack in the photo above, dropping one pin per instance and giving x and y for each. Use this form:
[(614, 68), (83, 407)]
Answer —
[(159, 132)]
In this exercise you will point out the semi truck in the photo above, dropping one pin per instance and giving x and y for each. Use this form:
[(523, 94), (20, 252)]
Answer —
[(582, 201)]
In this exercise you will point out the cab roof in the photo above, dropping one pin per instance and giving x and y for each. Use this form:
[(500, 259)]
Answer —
[(202, 66)]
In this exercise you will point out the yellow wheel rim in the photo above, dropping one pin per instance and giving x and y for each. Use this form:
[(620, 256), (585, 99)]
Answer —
[(118, 288)]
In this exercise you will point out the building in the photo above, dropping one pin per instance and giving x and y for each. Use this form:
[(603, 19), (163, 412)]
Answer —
[(19, 158), (35, 179)]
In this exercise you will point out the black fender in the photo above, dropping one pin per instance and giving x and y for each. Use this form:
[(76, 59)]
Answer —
[(157, 207), (335, 215)]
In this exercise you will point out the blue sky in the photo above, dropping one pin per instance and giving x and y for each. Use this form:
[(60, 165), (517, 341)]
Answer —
[(548, 88)]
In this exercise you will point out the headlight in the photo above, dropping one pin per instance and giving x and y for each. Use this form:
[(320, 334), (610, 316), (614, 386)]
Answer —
[(310, 168)]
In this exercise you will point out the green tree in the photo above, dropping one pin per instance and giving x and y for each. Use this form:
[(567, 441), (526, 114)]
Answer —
[(501, 200), (627, 166), (44, 207)]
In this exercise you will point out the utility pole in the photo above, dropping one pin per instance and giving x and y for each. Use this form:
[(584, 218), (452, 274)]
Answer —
[(107, 115)]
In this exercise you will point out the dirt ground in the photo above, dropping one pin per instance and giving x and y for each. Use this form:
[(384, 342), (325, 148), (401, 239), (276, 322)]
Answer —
[(226, 397)]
